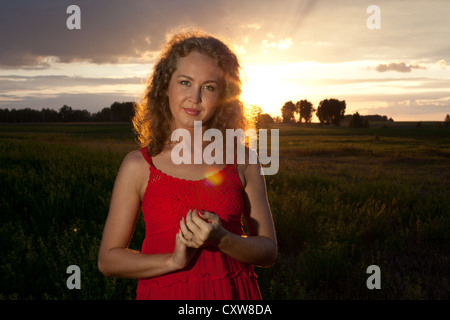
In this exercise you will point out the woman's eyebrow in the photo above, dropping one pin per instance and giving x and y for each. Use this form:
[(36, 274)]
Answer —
[(185, 76), (190, 78)]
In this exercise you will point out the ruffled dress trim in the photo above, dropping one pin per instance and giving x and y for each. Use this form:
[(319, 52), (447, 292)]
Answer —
[(229, 287)]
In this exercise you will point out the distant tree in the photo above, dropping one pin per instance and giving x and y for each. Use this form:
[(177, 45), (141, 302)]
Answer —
[(103, 115), (27, 115), (447, 121), (119, 111), (24, 115), (4, 115), (80, 116), (65, 114), (358, 122), (287, 112), (265, 118), (122, 111), (49, 115), (305, 110), (376, 117), (277, 119), (331, 111)]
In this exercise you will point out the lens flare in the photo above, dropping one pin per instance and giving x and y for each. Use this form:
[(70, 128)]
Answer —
[(213, 179)]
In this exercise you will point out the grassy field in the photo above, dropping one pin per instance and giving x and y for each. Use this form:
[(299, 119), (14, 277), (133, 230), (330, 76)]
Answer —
[(342, 200)]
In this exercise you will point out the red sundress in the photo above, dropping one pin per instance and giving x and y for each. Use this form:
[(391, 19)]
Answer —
[(211, 274)]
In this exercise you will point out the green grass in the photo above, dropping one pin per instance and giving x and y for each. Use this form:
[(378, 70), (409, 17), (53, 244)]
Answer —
[(342, 200)]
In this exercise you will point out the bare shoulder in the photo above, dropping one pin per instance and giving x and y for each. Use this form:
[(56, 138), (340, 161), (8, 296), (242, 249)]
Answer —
[(134, 165), (133, 174), (134, 158)]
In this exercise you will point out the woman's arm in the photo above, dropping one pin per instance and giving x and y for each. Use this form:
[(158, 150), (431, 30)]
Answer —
[(114, 258), (259, 248)]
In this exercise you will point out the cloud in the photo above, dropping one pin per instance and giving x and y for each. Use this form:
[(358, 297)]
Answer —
[(281, 44), (10, 83), (253, 26), (113, 31), (442, 64), (416, 110), (398, 67), (55, 90)]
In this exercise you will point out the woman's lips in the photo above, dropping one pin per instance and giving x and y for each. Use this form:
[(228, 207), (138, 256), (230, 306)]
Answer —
[(191, 111)]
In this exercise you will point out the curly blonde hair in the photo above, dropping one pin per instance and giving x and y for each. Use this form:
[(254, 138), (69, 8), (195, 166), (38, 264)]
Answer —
[(152, 119)]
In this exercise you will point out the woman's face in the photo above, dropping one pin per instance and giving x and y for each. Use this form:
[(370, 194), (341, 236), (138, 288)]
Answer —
[(194, 90)]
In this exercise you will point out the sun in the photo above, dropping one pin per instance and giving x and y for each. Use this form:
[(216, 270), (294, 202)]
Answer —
[(267, 87)]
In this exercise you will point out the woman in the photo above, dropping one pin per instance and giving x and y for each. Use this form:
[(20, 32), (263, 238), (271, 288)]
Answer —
[(194, 247)]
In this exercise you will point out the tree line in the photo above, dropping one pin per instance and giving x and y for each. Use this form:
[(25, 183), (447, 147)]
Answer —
[(329, 111), (118, 111)]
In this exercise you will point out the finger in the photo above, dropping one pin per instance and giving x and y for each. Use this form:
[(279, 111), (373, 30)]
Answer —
[(209, 216), (185, 232), (191, 224), (205, 224), (199, 220), (180, 238), (185, 242)]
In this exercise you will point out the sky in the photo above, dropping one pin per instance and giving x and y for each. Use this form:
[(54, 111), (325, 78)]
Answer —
[(289, 50)]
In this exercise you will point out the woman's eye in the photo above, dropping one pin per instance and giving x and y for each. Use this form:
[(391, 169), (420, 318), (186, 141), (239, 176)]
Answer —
[(209, 88), (185, 83)]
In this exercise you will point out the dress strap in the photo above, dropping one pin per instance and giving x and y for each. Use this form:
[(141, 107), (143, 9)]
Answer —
[(146, 155)]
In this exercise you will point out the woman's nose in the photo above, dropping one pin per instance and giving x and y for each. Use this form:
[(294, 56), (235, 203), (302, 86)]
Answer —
[(195, 95)]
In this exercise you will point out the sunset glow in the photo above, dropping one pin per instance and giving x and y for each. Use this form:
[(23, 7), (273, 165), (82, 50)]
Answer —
[(268, 87), (289, 50)]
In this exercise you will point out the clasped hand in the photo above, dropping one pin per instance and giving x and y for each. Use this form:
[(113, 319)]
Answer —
[(197, 230), (200, 229)]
